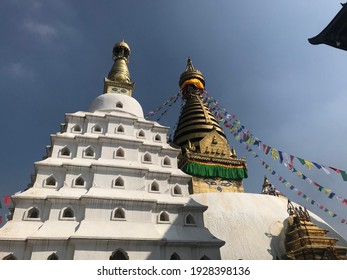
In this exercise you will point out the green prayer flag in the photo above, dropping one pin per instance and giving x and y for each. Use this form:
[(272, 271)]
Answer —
[(302, 161), (344, 175)]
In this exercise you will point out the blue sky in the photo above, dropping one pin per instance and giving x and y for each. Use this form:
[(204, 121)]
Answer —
[(255, 57)]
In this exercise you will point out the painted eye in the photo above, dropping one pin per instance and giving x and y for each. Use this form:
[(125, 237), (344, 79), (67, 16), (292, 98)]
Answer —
[(225, 184)]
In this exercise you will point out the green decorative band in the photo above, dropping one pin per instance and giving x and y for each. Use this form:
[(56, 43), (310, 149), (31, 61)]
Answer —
[(215, 170)]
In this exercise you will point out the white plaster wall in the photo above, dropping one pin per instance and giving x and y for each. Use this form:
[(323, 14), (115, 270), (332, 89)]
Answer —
[(44, 172), (93, 232), (104, 177), (251, 224)]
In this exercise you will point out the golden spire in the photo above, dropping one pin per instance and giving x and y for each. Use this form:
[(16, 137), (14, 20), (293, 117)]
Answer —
[(118, 79), (205, 152), (191, 77), (196, 120)]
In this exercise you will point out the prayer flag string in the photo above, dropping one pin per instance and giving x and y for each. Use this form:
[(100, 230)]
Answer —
[(235, 127), (284, 158), (172, 98)]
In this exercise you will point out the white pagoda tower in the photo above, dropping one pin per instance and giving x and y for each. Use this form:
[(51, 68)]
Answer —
[(109, 189)]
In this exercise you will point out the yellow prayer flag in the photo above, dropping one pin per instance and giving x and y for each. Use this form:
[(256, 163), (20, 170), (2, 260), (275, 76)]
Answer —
[(308, 164), (250, 140), (274, 154), (327, 191)]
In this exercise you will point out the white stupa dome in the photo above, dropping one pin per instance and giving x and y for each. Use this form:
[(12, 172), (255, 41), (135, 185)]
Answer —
[(117, 102)]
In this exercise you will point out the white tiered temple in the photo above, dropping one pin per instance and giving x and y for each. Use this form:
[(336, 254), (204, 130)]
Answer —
[(109, 189)]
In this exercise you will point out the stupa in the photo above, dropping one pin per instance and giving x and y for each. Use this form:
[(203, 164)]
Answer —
[(206, 154), (112, 187), (254, 226), (109, 188)]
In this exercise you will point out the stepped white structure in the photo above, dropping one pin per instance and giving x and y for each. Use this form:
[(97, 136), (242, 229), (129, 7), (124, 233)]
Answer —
[(109, 189)]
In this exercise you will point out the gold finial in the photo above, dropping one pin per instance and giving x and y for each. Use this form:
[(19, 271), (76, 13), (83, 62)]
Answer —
[(266, 181), (119, 71), (191, 76), (190, 146), (121, 50), (233, 152), (118, 79)]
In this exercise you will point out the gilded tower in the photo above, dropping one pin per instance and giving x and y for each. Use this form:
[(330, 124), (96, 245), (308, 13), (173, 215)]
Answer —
[(206, 154), (118, 79)]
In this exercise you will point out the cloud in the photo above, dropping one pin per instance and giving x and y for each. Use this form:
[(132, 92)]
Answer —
[(17, 70), (43, 30)]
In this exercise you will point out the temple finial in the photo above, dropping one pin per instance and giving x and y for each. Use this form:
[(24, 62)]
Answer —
[(118, 79), (192, 77)]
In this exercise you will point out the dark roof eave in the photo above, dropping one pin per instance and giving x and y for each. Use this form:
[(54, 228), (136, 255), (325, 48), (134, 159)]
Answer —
[(330, 33)]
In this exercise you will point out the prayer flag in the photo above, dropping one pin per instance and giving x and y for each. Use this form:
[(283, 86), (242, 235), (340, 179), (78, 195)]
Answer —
[(308, 164), (0, 205), (267, 149), (0, 220), (309, 181), (327, 191), (326, 170), (335, 169), (344, 175), (7, 200), (302, 161), (274, 154), (281, 156), (317, 165), (331, 195)]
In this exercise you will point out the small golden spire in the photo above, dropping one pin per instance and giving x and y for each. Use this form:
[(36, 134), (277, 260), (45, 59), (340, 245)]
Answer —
[(233, 152), (119, 71), (266, 181), (191, 76), (118, 79)]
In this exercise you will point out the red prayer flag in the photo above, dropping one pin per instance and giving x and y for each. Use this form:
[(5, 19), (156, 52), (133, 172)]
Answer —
[(0, 220), (7, 200), (335, 169)]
